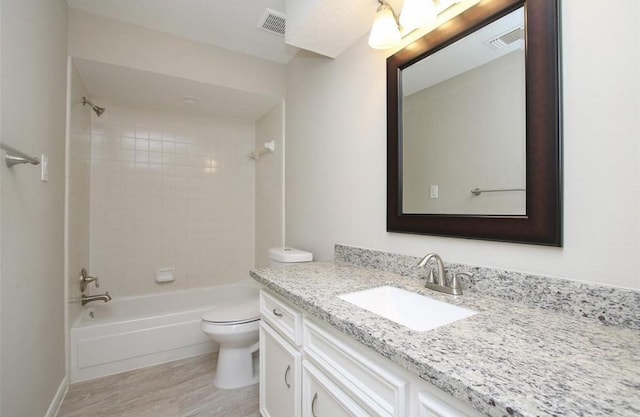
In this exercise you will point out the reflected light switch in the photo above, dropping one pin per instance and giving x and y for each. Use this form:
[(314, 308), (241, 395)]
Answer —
[(44, 168), (434, 191)]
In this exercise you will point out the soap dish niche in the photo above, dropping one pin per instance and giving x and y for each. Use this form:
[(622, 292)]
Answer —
[(164, 275)]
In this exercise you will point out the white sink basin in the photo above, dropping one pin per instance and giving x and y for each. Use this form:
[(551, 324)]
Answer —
[(409, 309)]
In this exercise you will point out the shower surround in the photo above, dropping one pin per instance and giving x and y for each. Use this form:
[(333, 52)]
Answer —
[(170, 191)]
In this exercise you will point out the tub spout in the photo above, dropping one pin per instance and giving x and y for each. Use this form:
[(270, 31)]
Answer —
[(89, 298)]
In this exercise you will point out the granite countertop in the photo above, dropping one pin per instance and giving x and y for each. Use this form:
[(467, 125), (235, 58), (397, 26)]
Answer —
[(507, 360)]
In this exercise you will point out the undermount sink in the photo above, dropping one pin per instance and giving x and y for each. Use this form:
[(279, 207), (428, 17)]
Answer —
[(407, 308)]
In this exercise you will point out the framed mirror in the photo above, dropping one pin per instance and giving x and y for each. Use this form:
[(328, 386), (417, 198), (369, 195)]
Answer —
[(473, 127)]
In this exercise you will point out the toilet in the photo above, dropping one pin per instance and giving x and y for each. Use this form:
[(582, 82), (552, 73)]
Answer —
[(288, 256), (234, 326)]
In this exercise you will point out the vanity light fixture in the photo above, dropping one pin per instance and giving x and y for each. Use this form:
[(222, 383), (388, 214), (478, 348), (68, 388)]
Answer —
[(384, 32), (417, 13), (387, 30)]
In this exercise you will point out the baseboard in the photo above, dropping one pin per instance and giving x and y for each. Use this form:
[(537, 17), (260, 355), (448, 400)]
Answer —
[(54, 407)]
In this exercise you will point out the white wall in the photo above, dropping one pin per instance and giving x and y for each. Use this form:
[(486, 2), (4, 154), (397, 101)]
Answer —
[(269, 185), (336, 156), (33, 85), (170, 191), (458, 157), (110, 41)]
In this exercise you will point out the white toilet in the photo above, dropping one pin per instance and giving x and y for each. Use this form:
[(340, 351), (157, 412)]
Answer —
[(288, 256), (234, 326)]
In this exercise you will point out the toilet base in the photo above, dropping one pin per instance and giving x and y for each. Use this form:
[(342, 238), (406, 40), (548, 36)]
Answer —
[(235, 368)]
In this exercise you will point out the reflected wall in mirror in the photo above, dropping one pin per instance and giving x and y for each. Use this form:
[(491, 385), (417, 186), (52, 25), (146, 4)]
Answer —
[(474, 106), (480, 80)]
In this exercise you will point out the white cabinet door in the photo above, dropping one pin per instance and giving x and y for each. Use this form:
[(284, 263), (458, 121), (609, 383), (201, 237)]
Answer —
[(322, 398), (280, 375)]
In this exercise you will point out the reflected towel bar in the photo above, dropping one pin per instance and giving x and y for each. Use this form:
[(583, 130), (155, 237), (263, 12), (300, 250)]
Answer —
[(477, 191), (15, 157)]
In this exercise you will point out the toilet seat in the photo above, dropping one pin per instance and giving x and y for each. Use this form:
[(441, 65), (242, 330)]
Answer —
[(231, 323), (232, 314)]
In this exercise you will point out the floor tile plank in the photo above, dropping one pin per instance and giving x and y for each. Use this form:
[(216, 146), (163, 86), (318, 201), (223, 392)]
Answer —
[(176, 389)]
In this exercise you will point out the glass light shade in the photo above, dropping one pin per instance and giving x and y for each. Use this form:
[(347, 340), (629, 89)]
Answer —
[(417, 13), (384, 32)]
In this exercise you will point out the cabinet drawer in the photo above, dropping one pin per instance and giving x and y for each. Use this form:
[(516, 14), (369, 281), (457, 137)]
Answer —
[(430, 405), (358, 372), (282, 317), (322, 398)]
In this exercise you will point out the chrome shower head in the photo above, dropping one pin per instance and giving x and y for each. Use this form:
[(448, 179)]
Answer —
[(99, 110)]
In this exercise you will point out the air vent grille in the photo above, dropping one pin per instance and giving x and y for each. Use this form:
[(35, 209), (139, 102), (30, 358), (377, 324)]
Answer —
[(273, 22), (506, 39)]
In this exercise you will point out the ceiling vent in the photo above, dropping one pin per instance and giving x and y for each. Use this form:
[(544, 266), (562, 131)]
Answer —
[(506, 39), (273, 22)]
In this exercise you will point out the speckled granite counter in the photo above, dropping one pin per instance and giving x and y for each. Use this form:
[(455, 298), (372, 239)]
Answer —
[(508, 360)]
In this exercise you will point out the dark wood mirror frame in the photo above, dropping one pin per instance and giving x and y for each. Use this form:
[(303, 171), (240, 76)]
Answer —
[(542, 224)]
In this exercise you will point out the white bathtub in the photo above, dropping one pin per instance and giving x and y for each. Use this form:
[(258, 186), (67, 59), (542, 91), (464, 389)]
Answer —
[(134, 332)]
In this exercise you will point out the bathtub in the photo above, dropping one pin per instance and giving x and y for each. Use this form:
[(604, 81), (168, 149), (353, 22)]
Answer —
[(134, 332)]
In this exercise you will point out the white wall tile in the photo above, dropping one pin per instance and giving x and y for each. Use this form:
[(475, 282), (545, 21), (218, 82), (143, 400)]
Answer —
[(170, 191), (79, 153), (269, 186)]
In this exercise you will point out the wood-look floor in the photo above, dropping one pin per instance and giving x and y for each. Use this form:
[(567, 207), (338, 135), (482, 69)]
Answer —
[(176, 389)]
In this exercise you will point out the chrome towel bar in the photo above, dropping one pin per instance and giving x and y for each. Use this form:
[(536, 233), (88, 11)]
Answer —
[(477, 191), (15, 157)]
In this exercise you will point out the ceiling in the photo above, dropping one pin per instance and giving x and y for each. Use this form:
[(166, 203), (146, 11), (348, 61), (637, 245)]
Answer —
[(126, 86), (327, 27), (229, 24), (468, 53)]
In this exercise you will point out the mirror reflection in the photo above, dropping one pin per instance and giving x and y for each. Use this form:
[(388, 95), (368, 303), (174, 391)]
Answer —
[(464, 127)]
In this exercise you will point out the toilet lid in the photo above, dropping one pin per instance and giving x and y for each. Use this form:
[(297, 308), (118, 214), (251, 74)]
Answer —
[(233, 313)]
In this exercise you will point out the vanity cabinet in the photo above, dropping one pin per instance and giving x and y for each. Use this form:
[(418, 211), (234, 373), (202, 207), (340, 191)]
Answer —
[(280, 383), (280, 359), (321, 397), (355, 370), (309, 369)]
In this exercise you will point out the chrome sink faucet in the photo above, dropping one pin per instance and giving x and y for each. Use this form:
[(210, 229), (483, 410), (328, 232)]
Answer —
[(442, 275), (441, 282), (98, 297)]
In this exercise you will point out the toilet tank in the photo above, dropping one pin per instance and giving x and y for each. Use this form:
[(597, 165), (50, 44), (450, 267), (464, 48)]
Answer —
[(287, 256)]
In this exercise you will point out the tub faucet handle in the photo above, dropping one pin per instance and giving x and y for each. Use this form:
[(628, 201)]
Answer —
[(85, 280)]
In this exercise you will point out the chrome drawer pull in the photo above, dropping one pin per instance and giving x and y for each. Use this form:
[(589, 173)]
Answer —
[(286, 374), (313, 405), (276, 313)]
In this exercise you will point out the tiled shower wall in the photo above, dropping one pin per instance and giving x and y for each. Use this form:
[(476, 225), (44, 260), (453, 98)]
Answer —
[(269, 186), (78, 192), (170, 191)]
